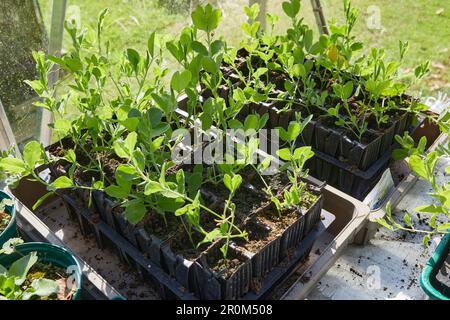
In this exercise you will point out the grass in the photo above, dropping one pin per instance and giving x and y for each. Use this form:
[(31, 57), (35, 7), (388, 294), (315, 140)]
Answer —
[(424, 23)]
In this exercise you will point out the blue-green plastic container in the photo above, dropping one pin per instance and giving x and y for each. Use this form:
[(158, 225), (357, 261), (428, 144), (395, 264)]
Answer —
[(11, 229), (434, 288), (49, 253)]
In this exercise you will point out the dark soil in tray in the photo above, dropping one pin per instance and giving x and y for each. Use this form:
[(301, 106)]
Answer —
[(109, 160), (278, 223), (156, 225), (367, 138), (247, 201), (181, 245), (258, 237), (59, 149), (224, 268), (4, 220), (48, 271), (276, 182)]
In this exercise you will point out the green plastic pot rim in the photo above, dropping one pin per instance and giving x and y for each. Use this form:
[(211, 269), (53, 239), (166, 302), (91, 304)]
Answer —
[(429, 270), (12, 212), (41, 247)]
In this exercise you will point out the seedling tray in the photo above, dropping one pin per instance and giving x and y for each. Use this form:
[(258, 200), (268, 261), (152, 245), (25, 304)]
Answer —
[(349, 178), (275, 277), (159, 252), (350, 217), (346, 177), (334, 142), (108, 238)]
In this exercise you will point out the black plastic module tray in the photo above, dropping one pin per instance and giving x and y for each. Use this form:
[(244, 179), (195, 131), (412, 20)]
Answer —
[(348, 177), (345, 177), (168, 286), (283, 270)]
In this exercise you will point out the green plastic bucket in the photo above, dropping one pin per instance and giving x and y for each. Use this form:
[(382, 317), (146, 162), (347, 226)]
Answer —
[(430, 284), (49, 253), (11, 229)]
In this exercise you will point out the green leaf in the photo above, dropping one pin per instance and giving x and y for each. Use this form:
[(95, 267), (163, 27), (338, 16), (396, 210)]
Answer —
[(399, 154), (62, 182), (236, 182), (151, 44), (444, 227), (10, 246), (42, 288), (71, 156), (13, 165), (182, 210), (130, 123), (120, 149), (291, 8), (284, 154), (259, 72), (384, 223), (199, 48), (168, 204), (63, 126), (347, 90), (181, 181), (430, 209), (216, 46), (251, 122), (252, 12), (138, 159), (308, 39), (195, 181), (232, 184), (407, 219), (98, 185), (152, 187), (173, 49), (417, 165), (19, 268), (356, 46), (206, 18), (41, 200), (118, 192), (126, 172), (130, 142), (207, 121), (227, 182), (134, 58), (211, 236), (168, 193), (294, 131), (135, 212), (304, 153), (134, 113), (180, 81), (426, 240), (210, 65), (33, 154), (156, 144), (154, 115)]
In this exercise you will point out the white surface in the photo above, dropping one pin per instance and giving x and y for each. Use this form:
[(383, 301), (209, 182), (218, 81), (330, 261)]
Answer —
[(389, 267)]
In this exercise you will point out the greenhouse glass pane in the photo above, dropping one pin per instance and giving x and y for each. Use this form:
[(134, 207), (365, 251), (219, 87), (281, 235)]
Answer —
[(21, 33)]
